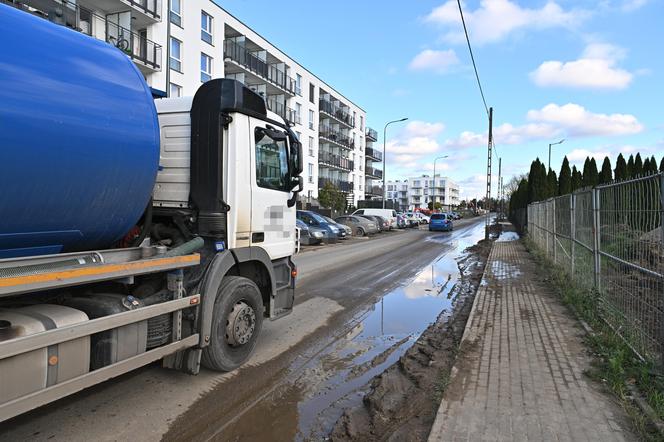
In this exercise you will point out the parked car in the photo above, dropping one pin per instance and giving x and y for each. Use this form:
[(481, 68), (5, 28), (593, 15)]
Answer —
[(389, 214), (313, 219), (360, 226), (412, 219), (380, 222), (424, 219), (344, 231), (441, 221), (310, 235), (402, 222)]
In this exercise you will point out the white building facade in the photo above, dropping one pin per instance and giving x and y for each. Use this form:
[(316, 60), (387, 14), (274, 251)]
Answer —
[(418, 192), (180, 44)]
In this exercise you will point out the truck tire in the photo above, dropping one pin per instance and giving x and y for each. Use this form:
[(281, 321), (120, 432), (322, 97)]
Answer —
[(236, 324)]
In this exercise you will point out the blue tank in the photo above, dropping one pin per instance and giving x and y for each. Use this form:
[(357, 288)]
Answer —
[(79, 139)]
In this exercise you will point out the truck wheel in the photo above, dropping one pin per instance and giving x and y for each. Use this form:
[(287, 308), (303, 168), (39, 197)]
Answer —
[(236, 324)]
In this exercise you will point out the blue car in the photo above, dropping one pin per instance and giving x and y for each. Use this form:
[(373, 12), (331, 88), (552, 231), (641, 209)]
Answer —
[(312, 219), (440, 222)]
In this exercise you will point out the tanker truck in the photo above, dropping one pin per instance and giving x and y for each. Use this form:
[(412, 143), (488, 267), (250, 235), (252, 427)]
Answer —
[(132, 230)]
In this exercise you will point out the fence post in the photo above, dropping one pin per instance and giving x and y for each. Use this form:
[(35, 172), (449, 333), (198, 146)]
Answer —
[(554, 230), (596, 237), (572, 229)]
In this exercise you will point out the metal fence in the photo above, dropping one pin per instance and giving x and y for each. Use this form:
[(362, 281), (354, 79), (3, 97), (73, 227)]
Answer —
[(611, 239)]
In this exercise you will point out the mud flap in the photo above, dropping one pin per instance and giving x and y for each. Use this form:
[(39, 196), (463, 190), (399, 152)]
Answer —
[(187, 361)]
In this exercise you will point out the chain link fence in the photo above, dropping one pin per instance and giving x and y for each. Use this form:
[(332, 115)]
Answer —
[(611, 239)]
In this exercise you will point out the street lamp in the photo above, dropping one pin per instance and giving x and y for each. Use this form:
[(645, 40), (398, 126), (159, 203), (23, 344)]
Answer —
[(553, 144), (434, 179), (385, 157)]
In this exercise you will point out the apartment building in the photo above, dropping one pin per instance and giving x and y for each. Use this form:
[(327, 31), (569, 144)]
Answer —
[(418, 192), (180, 44)]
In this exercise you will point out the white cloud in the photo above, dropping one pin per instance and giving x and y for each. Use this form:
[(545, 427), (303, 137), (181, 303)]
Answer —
[(413, 146), (494, 20), (579, 155), (596, 69), (575, 120), (434, 60), (423, 129), (552, 120)]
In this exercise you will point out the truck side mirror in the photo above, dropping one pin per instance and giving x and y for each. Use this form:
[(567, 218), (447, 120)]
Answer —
[(299, 182)]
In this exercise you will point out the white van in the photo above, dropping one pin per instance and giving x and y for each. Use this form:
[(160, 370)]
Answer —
[(389, 214)]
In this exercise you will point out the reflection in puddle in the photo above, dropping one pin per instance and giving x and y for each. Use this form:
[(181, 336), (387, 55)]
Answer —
[(508, 236), (335, 378)]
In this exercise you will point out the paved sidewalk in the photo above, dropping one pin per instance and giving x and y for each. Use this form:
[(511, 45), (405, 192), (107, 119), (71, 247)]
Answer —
[(519, 375)]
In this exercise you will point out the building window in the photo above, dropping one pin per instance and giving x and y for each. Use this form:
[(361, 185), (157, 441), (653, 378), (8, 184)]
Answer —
[(361, 122), (312, 92), (176, 12), (175, 62), (298, 84), (271, 161), (311, 119), (206, 27), (298, 112), (310, 170), (311, 146), (206, 68), (176, 91)]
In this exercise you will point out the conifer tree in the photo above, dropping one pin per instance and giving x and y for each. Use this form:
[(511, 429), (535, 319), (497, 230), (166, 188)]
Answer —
[(620, 172), (565, 178), (605, 176)]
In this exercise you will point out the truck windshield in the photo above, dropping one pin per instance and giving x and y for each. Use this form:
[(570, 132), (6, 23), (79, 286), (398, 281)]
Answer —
[(271, 161)]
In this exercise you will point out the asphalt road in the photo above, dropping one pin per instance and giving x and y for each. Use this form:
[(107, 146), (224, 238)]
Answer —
[(261, 399)]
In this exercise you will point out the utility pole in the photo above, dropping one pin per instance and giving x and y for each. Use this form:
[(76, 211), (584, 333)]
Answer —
[(500, 167), (488, 176)]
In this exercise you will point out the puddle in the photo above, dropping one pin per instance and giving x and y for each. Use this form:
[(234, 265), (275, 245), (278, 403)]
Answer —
[(508, 236), (336, 378)]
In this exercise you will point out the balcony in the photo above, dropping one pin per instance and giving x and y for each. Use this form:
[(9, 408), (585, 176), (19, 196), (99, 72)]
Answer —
[(374, 173), (332, 160), (336, 137), (344, 186), (374, 191), (374, 154), (145, 53), (244, 58), (371, 134), (335, 111), (288, 114)]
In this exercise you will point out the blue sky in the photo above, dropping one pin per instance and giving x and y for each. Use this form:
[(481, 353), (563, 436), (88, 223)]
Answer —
[(586, 71)]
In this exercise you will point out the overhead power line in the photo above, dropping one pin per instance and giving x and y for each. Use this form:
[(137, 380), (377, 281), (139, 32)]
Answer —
[(472, 57)]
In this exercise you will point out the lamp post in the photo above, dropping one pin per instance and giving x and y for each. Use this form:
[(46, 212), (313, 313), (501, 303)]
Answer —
[(384, 156), (434, 179), (553, 144)]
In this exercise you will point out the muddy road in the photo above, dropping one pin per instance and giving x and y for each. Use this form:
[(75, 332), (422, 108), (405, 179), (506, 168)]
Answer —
[(359, 307)]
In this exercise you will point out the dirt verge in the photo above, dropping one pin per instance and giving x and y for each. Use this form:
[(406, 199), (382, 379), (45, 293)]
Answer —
[(402, 401)]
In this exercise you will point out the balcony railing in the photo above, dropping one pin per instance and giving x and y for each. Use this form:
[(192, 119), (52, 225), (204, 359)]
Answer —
[(371, 134), (336, 112), (344, 186), (71, 15), (372, 171), (284, 111), (374, 190), (336, 137), (149, 7), (335, 160), (374, 154), (251, 62)]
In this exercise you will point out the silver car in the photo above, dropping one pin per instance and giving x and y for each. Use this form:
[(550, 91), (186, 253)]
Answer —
[(360, 226)]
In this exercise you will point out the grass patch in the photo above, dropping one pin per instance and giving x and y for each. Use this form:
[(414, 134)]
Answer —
[(616, 364)]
